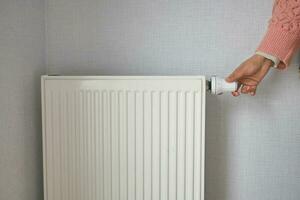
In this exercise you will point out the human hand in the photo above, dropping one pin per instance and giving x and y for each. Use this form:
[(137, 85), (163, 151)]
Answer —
[(249, 74)]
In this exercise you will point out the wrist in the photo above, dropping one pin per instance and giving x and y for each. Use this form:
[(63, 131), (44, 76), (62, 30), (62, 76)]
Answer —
[(270, 57), (263, 60), (268, 62)]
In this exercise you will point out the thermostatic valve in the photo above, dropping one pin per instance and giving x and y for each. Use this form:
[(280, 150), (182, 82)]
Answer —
[(217, 85)]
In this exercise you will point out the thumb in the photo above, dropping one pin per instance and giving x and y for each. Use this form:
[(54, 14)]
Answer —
[(234, 76)]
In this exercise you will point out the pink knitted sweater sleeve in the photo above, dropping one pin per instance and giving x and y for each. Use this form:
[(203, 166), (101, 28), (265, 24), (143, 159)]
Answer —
[(283, 34)]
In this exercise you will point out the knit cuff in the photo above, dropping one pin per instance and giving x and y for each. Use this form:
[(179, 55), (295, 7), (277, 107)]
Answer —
[(280, 43)]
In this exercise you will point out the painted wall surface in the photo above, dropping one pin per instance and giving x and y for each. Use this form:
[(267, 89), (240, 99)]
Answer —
[(253, 144), (21, 64)]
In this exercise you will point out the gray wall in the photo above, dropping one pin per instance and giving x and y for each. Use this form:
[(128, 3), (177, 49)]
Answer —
[(21, 64), (253, 144)]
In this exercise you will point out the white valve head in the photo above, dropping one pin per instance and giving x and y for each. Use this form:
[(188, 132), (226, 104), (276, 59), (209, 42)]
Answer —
[(219, 85)]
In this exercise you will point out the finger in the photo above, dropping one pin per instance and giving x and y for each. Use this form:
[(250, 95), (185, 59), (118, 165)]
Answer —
[(235, 75), (253, 93), (245, 89), (236, 92), (252, 89), (239, 85)]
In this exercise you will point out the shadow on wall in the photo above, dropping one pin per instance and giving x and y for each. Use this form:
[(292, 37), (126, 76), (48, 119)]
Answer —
[(216, 150)]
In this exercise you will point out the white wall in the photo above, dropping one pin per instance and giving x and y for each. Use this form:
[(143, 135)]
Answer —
[(21, 63), (253, 144)]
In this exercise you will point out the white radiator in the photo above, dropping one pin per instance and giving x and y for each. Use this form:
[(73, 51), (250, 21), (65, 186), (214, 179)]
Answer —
[(123, 137)]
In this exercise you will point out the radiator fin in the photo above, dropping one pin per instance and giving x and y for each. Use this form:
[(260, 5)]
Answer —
[(123, 143)]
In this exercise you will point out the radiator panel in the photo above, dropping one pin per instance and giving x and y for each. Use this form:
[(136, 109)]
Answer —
[(117, 138)]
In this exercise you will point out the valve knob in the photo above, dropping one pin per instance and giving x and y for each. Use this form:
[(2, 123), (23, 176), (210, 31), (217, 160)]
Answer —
[(219, 85)]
